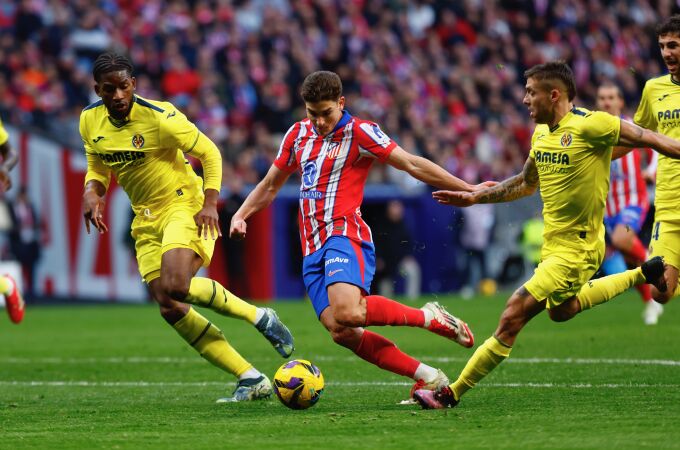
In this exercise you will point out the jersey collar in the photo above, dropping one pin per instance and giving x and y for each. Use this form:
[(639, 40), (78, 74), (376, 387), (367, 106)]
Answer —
[(557, 125)]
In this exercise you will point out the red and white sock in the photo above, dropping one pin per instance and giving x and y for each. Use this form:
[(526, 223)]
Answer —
[(383, 311), (383, 353)]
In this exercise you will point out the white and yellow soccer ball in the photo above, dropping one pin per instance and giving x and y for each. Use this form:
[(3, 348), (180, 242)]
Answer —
[(298, 384)]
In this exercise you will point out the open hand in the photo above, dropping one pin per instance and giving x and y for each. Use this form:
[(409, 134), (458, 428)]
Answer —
[(93, 208), (207, 221), (454, 198)]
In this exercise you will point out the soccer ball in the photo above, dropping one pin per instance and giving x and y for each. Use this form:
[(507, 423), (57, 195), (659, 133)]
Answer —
[(298, 384)]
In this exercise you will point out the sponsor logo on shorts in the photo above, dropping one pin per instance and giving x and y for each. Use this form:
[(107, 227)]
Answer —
[(333, 272), (337, 259)]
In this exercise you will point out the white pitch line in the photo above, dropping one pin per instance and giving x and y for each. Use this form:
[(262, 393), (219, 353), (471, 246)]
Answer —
[(339, 383), (349, 359)]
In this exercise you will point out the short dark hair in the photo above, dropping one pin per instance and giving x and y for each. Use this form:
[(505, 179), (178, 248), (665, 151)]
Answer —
[(670, 26), (320, 86), (612, 85), (110, 62), (554, 70)]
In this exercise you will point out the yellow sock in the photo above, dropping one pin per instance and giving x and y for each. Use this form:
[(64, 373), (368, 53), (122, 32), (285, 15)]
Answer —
[(209, 341), (487, 356), (604, 289), (5, 285), (211, 294)]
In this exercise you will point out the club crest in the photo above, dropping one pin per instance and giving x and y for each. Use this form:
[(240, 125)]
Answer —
[(138, 141), (566, 140), (333, 150)]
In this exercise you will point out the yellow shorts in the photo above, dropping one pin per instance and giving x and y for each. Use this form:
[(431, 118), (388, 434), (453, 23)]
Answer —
[(160, 231), (561, 274), (666, 242)]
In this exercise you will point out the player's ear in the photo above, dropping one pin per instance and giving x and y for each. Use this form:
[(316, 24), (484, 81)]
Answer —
[(97, 89), (341, 102), (134, 83), (555, 95)]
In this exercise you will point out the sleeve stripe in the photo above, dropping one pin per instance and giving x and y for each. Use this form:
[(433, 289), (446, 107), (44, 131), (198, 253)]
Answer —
[(198, 133)]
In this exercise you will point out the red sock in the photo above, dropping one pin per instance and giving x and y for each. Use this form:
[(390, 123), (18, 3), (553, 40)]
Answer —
[(645, 291), (383, 353), (383, 311), (638, 251)]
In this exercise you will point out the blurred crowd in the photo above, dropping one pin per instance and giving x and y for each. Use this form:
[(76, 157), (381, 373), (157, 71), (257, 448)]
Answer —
[(443, 78)]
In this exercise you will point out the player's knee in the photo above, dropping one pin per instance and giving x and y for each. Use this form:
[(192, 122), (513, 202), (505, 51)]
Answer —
[(348, 316), (176, 287)]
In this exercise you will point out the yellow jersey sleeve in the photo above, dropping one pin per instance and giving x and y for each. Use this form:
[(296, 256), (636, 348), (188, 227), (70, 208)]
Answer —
[(176, 131), (4, 136), (211, 160), (601, 129), (532, 154), (644, 115), (96, 169)]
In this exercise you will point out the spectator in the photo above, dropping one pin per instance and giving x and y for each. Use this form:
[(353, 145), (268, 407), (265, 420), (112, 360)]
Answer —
[(475, 239), (24, 238), (394, 254)]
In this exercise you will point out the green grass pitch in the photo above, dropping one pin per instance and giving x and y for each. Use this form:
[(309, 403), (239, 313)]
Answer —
[(115, 376)]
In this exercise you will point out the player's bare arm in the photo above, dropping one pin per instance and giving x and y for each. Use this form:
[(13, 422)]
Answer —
[(93, 206), (633, 135), (9, 160), (426, 171), (261, 197), (620, 151), (518, 186)]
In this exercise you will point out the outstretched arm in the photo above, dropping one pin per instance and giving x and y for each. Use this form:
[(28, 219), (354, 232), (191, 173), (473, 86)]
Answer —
[(521, 185), (426, 171), (633, 135), (263, 194)]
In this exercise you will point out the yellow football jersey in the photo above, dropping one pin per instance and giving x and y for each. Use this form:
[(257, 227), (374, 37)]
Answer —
[(4, 137), (573, 160), (659, 110), (144, 152)]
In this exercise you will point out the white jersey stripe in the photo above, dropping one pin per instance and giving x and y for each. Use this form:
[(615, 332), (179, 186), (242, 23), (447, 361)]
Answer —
[(632, 180)]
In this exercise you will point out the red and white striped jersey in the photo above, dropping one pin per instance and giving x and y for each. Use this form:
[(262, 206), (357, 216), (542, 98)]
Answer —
[(627, 186), (334, 169)]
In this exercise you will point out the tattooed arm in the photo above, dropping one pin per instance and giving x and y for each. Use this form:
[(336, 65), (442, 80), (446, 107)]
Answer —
[(635, 136), (521, 185)]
